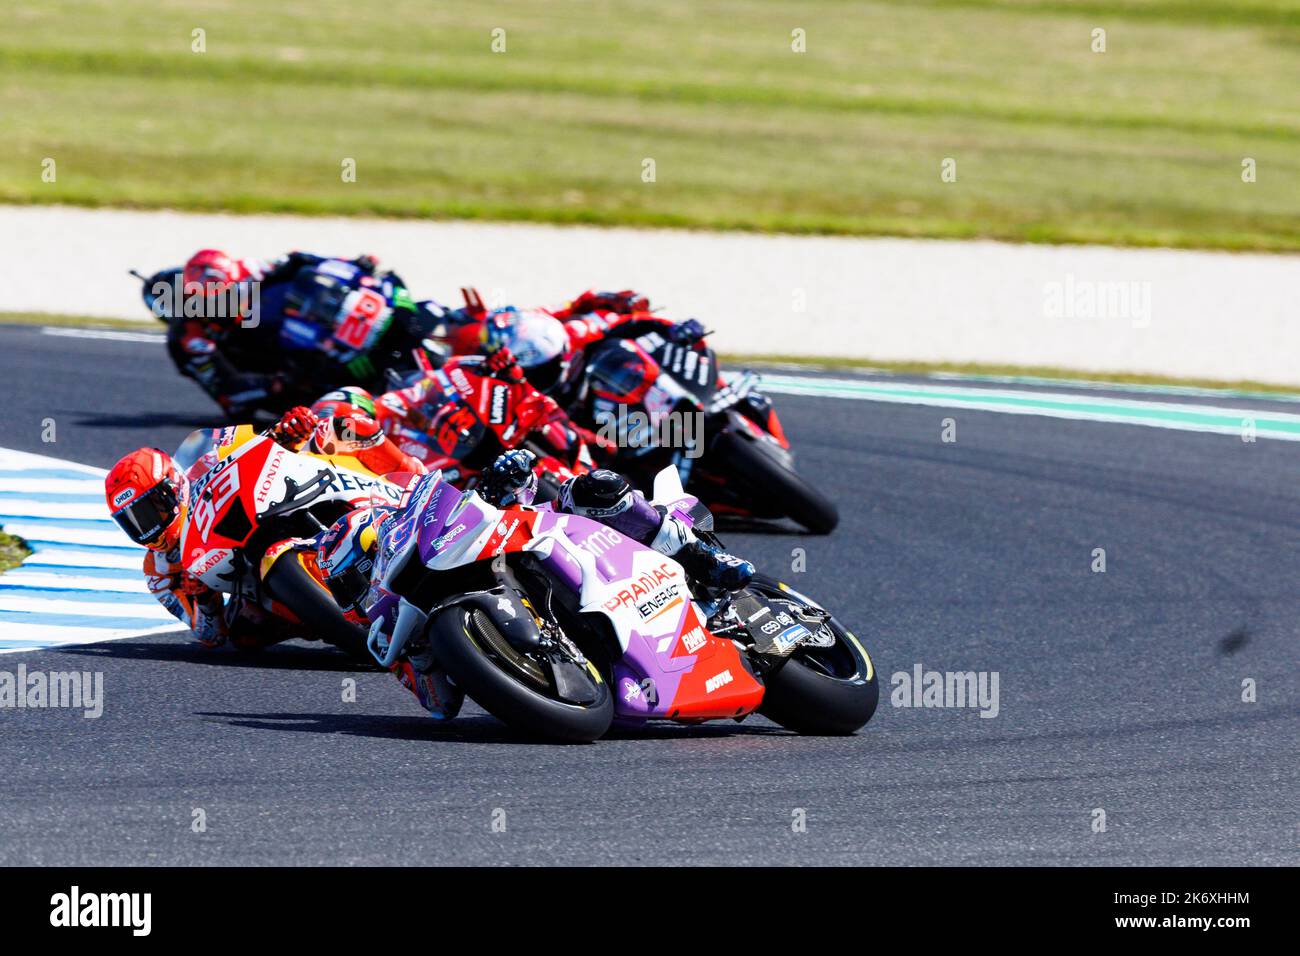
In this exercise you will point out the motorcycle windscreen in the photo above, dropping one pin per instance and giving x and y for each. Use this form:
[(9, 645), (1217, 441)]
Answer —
[(194, 446), (311, 305), (622, 373)]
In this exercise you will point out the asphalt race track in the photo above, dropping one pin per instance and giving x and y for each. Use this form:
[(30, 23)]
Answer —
[(1119, 691)]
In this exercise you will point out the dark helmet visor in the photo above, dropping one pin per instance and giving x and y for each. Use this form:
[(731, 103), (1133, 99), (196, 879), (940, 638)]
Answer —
[(145, 518)]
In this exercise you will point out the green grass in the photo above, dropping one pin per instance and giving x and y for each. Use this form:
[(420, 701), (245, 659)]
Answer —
[(12, 551), (1139, 145)]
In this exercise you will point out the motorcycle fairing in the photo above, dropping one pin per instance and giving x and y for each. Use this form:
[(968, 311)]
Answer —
[(671, 667), (253, 476), (694, 367)]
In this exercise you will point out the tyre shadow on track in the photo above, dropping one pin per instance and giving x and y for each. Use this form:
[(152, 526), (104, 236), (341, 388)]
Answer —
[(153, 420), (474, 729), (471, 729), (289, 656)]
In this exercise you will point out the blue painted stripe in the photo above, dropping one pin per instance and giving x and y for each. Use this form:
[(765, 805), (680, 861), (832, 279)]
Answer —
[(72, 524), (73, 570), (17, 589), (49, 473), (89, 622), (57, 497), (39, 544)]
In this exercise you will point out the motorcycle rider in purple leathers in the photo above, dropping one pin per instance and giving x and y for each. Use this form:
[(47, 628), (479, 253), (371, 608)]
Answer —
[(602, 495)]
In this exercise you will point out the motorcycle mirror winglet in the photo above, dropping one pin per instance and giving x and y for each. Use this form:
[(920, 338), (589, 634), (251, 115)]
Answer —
[(410, 619), (473, 301), (668, 485), (298, 495)]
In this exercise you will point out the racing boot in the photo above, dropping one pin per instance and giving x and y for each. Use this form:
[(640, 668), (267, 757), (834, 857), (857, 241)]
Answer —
[(713, 567), (431, 688)]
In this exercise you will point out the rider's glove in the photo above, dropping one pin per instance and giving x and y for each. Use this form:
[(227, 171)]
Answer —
[(294, 427), (687, 333), (510, 479), (502, 364), (624, 302)]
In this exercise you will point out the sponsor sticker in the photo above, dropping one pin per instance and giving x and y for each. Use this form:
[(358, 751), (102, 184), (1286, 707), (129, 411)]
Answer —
[(718, 680)]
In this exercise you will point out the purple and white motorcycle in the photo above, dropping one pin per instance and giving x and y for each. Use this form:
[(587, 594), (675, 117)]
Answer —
[(559, 625)]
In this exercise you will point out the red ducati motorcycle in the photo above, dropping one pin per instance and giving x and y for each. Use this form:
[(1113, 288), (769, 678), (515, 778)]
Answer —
[(666, 403), (460, 416)]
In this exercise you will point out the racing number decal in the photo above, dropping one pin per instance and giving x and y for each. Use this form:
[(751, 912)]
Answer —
[(365, 308), (222, 486), (457, 420)]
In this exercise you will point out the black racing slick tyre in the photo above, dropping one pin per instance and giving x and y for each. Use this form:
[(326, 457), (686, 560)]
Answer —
[(826, 691), (772, 486), (518, 688), (293, 586)]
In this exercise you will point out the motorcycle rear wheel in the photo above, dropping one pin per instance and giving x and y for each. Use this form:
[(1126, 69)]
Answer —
[(515, 687), (773, 486)]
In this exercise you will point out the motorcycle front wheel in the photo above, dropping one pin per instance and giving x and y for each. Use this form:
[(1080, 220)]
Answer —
[(825, 690), (551, 697)]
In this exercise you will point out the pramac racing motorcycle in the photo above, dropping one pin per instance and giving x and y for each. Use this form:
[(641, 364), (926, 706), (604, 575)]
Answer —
[(739, 462), (559, 625), (250, 523)]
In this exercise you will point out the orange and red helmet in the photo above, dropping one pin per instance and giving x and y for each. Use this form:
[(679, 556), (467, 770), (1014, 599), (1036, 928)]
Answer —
[(145, 492), (212, 270), (345, 402)]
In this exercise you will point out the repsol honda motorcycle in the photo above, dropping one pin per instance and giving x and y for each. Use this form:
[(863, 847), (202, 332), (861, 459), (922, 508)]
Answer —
[(250, 519)]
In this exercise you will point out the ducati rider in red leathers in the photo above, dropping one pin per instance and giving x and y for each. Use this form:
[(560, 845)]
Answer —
[(147, 495), (549, 343), (416, 407)]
